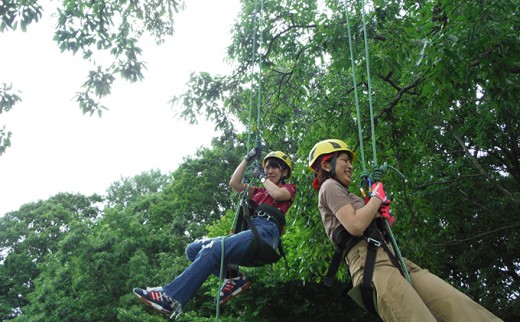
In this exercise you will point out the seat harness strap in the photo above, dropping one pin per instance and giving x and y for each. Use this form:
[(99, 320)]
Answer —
[(375, 239), (263, 210), (344, 241), (367, 290)]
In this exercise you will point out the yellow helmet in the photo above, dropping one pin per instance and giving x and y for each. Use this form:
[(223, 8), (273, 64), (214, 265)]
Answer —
[(282, 156), (326, 147)]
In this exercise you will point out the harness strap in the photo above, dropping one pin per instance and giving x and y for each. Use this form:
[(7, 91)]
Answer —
[(367, 290), (393, 259), (272, 213), (375, 239), (275, 215), (258, 246), (252, 227), (334, 265), (344, 241), (384, 236), (282, 253)]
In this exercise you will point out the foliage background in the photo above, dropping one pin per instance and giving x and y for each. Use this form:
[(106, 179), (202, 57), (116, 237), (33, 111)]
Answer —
[(445, 87)]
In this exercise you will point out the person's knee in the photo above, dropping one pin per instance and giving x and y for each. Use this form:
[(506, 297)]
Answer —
[(202, 248), (190, 253), (193, 249)]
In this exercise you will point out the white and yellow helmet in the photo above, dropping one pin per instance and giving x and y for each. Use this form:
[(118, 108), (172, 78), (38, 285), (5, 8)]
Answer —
[(279, 155), (326, 147)]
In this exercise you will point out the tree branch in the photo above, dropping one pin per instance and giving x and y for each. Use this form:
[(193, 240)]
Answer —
[(481, 170), (424, 185), (275, 37), (400, 93), (457, 241)]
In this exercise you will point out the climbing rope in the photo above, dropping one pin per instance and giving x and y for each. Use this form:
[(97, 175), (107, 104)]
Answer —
[(259, 100), (378, 171), (252, 76), (355, 90), (369, 82), (243, 195)]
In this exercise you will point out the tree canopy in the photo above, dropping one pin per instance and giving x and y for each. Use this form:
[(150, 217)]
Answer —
[(444, 84), (445, 96)]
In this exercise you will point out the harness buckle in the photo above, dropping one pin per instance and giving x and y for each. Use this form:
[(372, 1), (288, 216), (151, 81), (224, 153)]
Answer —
[(262, 214), (374, 242)]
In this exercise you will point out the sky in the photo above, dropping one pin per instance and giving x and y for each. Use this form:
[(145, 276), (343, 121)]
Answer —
[(55, 148)]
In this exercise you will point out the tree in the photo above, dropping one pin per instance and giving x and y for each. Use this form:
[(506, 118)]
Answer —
[(138, 239), (7, 100), (28, 235), (444, 79)]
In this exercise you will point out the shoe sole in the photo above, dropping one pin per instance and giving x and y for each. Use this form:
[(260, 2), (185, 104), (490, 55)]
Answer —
[(153, 305), (235, 293)]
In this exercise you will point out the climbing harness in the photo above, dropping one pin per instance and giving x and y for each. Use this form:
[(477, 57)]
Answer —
[(379, 230), (259, 253)]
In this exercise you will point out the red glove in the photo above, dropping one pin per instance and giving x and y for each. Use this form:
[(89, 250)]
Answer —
[(386, 212), (379, 191)]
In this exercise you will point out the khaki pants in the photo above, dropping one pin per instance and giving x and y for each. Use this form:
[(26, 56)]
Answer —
[(429, 298)]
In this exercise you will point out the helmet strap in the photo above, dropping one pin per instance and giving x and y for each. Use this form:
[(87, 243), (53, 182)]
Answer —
[(331, 158), (333, 165)]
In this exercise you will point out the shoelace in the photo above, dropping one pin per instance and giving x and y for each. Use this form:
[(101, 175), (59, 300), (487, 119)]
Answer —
[(176, 307), (176, 310), (154, 289)]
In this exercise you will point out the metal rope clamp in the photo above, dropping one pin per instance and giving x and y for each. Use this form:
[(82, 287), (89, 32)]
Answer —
[(263, 214)]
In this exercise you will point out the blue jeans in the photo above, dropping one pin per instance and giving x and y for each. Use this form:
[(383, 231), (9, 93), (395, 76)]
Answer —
[(205, 256)]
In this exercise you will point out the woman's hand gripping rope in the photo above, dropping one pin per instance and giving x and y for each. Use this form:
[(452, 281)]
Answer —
[(384, 210), (259, 173), (255, 152), (378, 190)]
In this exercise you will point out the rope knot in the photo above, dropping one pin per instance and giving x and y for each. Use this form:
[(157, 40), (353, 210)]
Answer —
[(376, 175), (364, 175)]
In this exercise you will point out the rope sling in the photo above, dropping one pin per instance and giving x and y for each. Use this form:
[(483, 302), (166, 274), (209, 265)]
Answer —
[(364, 294)]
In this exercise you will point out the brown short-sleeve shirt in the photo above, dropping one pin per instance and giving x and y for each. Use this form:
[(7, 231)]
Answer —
[(331, 198)]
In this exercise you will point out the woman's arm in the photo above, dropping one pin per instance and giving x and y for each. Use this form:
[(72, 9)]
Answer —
[(357, 221), (279, 194), (236, 179)]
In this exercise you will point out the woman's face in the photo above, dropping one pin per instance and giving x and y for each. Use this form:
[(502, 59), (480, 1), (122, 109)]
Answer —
[(273, 171), (344, 169)]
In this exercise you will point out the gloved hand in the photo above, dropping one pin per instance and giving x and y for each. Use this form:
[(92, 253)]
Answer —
[(379, 191), (258, 173), (386, 212), (252, 153)]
